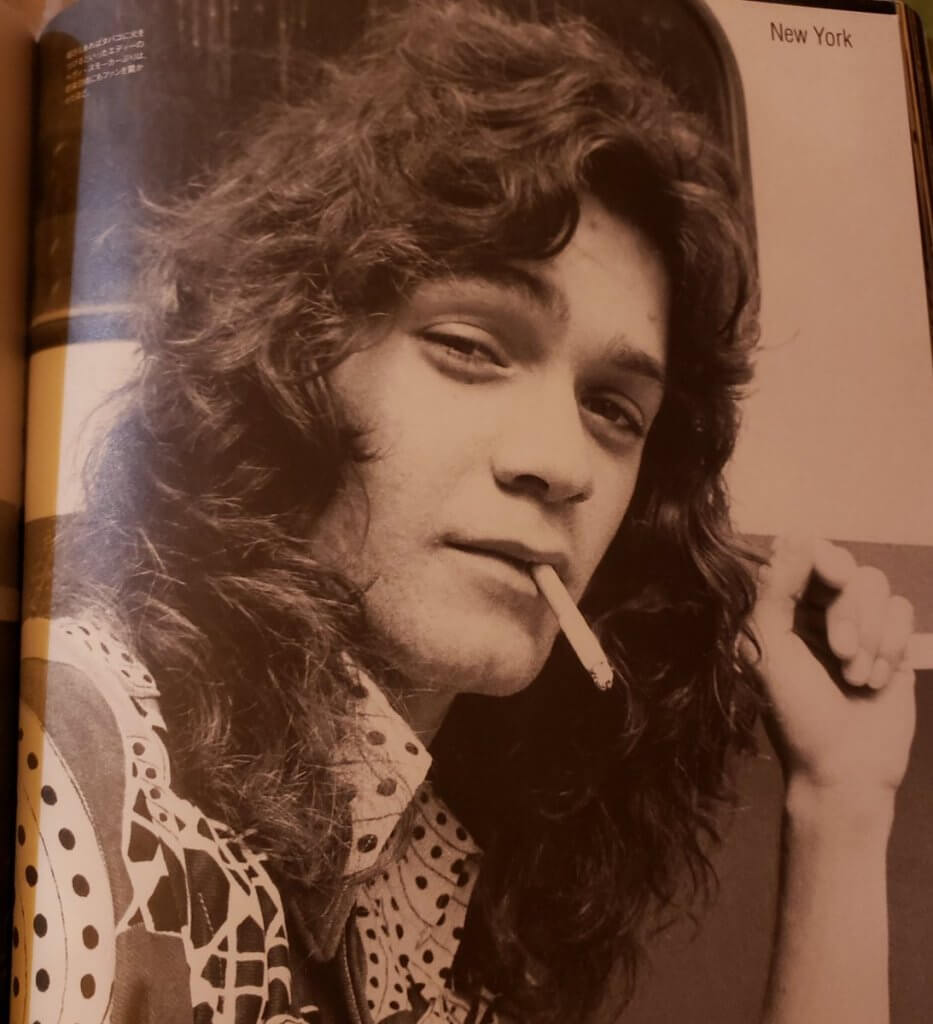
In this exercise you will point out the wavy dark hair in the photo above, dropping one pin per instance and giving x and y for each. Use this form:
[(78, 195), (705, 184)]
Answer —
[(454, 139)]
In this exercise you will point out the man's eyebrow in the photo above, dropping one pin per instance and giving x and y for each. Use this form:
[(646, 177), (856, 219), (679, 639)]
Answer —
[(527, 284), (629, 359)]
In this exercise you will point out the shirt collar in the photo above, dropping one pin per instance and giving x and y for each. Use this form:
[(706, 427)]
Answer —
[(409, 916), (383, 763)]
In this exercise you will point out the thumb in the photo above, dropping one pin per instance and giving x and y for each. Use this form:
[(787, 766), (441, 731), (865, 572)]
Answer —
[(795, 562)]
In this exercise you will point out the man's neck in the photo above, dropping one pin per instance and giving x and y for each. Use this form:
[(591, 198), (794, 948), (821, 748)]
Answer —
[(424, 710)]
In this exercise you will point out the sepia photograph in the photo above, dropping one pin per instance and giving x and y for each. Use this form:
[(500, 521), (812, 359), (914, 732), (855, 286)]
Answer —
[(479, 517)]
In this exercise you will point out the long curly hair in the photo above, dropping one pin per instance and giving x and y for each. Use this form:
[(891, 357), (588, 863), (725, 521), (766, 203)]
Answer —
[(455, 138)]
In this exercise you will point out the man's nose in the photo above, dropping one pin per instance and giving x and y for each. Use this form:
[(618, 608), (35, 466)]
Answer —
[(543, 449)]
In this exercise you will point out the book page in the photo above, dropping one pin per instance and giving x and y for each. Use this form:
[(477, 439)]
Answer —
[(37, 13), (15, 96), (16, 51), (187, 285), (837, 425), (843, 291)]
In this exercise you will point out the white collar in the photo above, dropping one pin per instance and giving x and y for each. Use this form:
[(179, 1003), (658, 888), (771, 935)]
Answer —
[(410, 916)]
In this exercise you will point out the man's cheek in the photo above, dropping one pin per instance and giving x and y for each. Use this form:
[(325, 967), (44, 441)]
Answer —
[(601, 542)]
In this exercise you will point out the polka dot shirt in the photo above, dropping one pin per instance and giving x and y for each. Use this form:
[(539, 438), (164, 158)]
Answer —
[(409, 916), (73, 905)]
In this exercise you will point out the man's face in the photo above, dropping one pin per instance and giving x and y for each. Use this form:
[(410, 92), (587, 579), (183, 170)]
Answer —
[(507, 415)]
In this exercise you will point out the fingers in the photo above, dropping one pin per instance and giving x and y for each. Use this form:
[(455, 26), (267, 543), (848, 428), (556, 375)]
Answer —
[(892, 658), (833, 564), (794, 563), (866, 628), (855, 623)]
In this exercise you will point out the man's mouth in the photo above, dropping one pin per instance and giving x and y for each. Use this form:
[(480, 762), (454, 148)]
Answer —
[(516, 563), (517, 554)]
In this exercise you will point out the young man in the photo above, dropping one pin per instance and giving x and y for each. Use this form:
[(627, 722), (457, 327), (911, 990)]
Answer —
[(484, 301)]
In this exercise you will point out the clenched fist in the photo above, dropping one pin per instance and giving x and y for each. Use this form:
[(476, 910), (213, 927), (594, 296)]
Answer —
[(833, 643)]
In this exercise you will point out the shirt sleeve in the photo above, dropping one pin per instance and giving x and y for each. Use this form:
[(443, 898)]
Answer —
[(71, 962)]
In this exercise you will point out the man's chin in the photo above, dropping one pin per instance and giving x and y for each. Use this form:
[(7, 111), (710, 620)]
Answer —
[(451, 647), (503, 672), (494, 670)]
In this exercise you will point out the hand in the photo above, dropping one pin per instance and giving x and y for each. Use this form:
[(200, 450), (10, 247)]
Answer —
[(833, 658)]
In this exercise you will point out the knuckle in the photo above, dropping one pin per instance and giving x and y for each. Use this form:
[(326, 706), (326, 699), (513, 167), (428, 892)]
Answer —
[(880, 674), (857, 672), (872, 580)]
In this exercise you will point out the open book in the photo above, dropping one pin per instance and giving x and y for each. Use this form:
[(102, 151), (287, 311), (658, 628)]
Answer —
[(162, 139)]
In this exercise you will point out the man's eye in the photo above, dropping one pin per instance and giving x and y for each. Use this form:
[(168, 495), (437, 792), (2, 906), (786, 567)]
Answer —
[(616, 413), (463, 347)]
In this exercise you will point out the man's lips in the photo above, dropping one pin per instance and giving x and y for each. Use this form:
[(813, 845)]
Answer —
[(514, 552)]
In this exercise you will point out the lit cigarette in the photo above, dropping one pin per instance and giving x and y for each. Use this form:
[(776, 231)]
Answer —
[(579, 635)]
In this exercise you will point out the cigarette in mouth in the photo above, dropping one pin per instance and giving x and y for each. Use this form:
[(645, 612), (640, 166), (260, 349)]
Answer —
[(579, 635)]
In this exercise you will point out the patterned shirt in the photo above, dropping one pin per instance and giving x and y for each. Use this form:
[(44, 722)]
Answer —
[(116, 872)]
